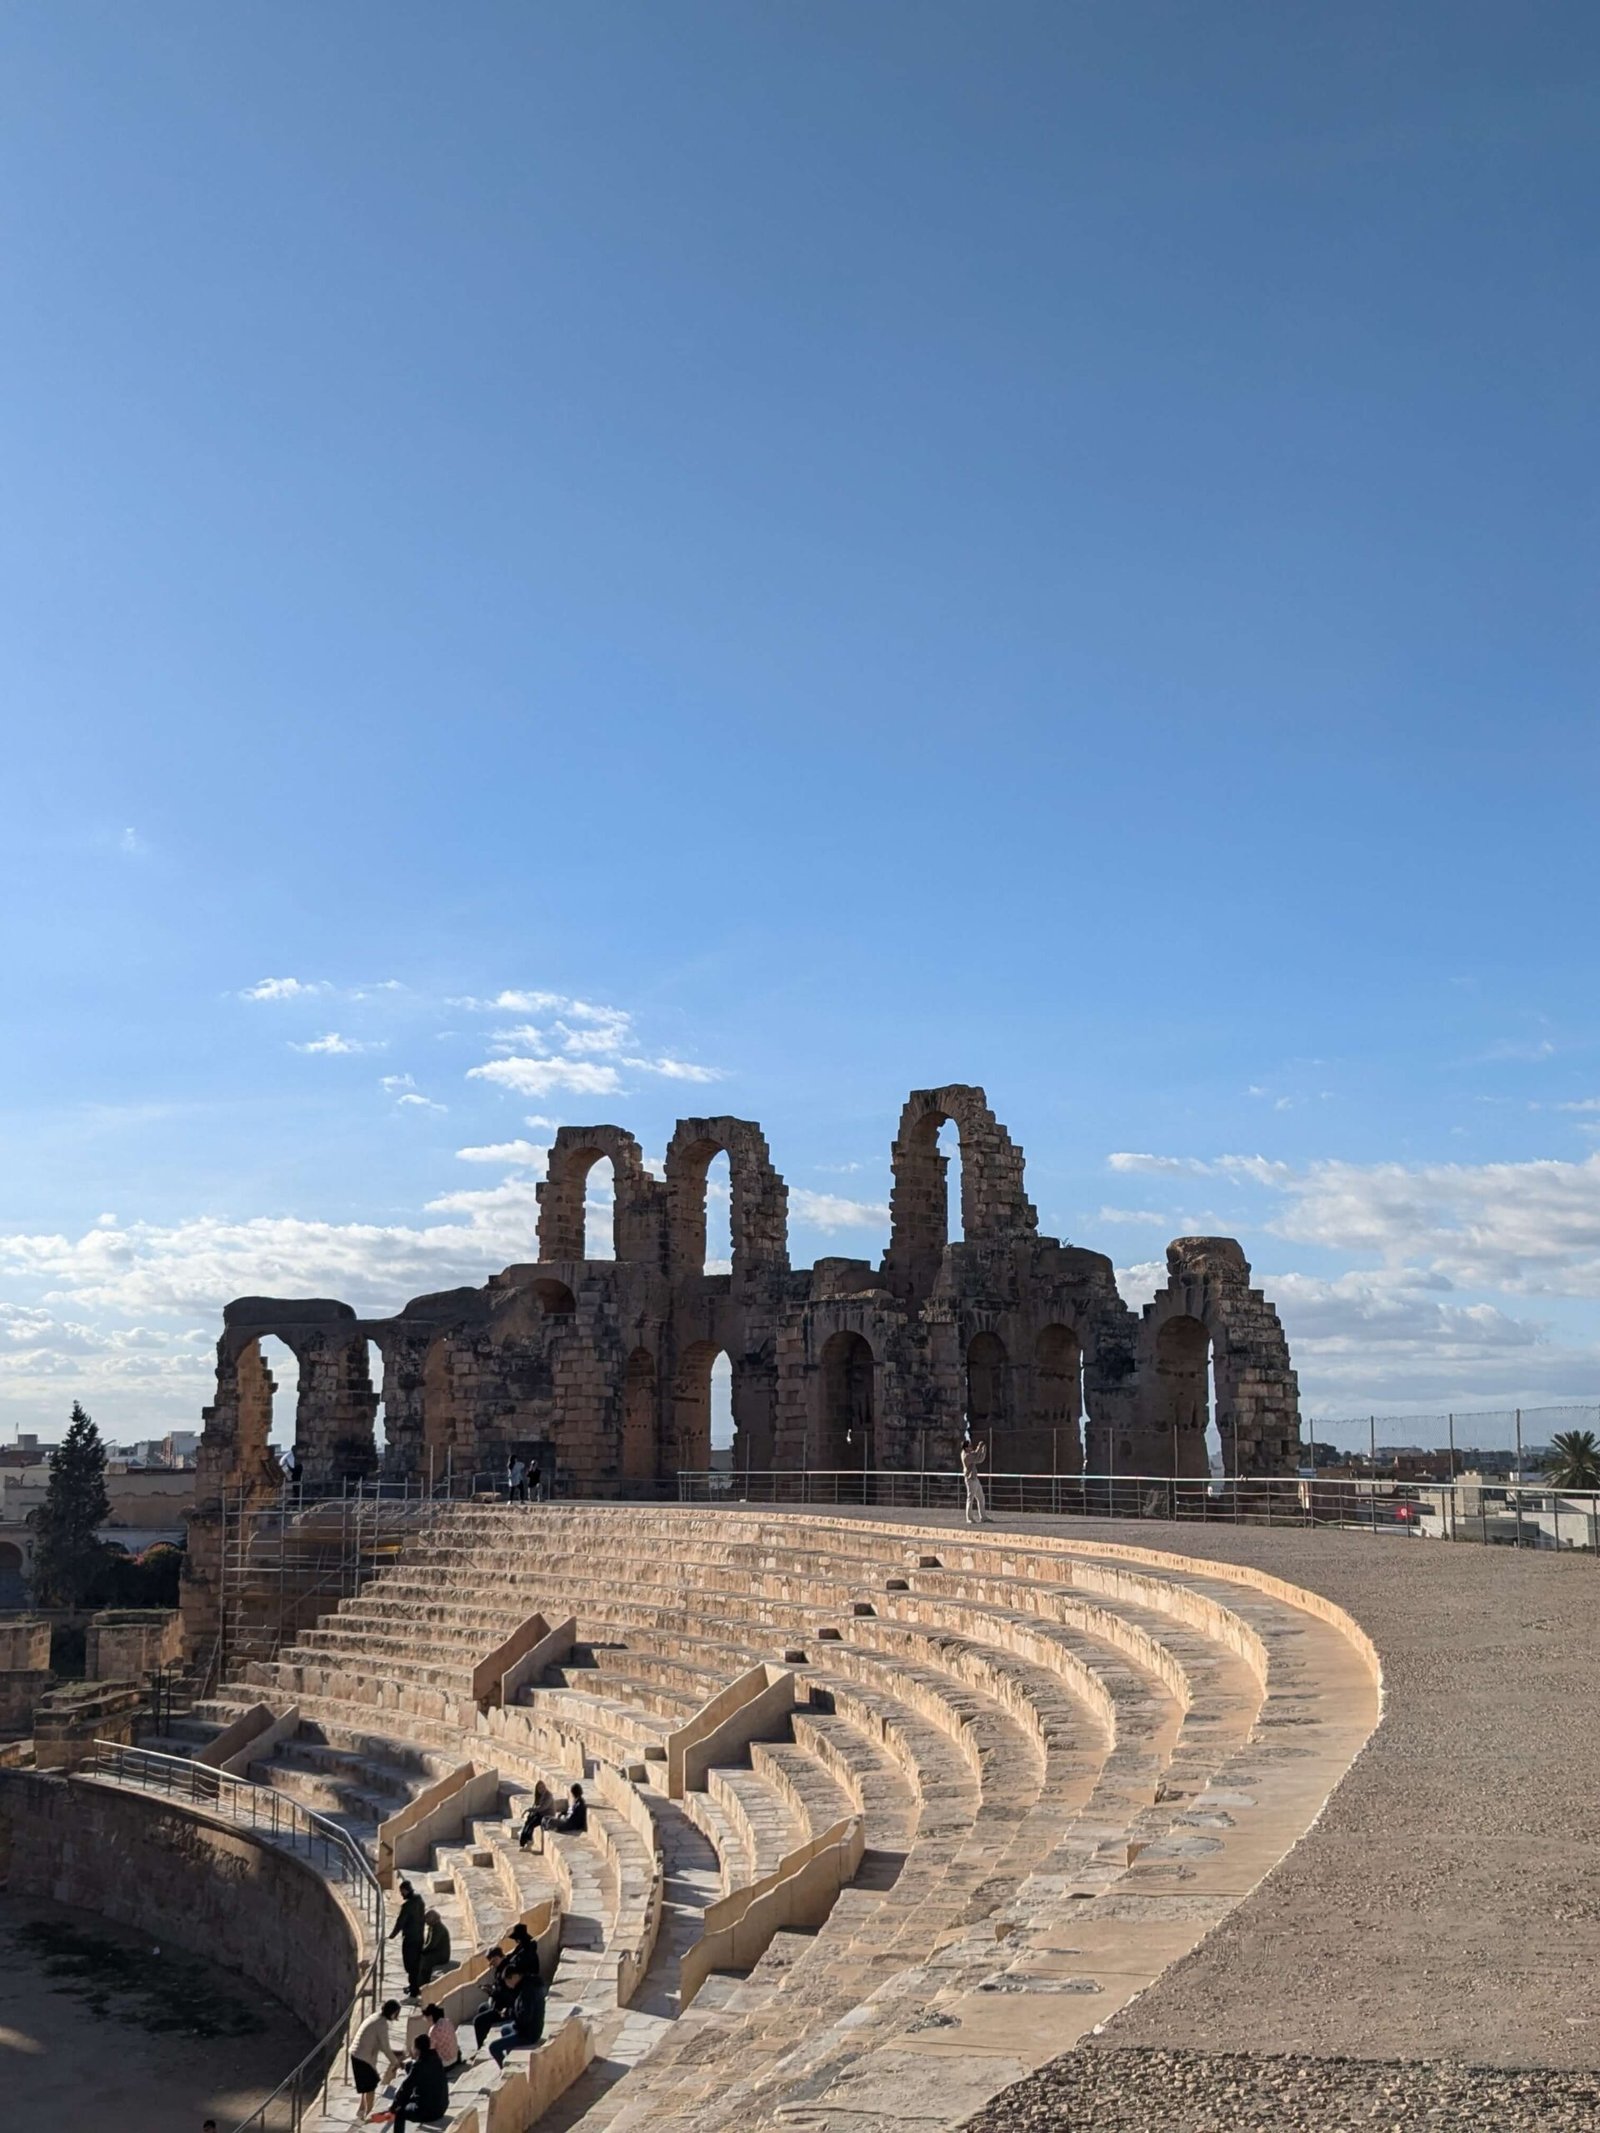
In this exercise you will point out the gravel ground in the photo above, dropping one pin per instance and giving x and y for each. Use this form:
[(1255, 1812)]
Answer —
[(1112, 2091)]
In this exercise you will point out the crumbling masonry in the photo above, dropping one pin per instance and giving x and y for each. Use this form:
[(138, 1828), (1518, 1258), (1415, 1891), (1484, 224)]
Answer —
[(599, 1370)]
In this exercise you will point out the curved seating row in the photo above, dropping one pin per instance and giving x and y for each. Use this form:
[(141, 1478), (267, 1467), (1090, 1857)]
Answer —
[(1046, 1741)]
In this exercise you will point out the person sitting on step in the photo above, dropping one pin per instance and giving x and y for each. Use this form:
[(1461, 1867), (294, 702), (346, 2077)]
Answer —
[(424, 2095), (526, 2027), (574, 1817), (544, 1805)]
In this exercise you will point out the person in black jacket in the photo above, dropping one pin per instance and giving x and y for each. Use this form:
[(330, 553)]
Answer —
[(526, 2027), (574, 1817), (499, 1993), (410, 1929), (424, 2095)]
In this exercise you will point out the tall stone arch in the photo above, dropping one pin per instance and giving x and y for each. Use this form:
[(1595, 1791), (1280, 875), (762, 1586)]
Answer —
[(994, 1206), (640, 1204), (1208, 1298), (760, 1198)]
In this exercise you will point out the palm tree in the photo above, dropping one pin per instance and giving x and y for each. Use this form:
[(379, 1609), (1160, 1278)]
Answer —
[(1574, 1461)]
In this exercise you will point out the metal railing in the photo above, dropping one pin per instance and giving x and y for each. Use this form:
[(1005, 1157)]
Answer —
[(261, 1810), (303, 2092), (1529, 1514)]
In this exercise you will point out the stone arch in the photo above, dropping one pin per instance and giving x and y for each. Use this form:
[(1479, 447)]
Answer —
[(689, 1435), (640, 1417), (989, 1410), (1052, 1442), (555, 1298), (760, 1198), (994, 1206), (1208, 1303), (637, 1206), (847, 1402)]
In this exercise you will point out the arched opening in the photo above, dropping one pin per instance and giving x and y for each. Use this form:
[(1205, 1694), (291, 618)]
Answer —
[(639, 1417), (948, 1144), (1182, 1398), (555, 1299), (718, 1258), (13, 1589), (600, 1210), (691, 1409), (847, 1437), (1054, 1443), (269, 1400), (988, 1392), (722, 1430), (376, 1380)]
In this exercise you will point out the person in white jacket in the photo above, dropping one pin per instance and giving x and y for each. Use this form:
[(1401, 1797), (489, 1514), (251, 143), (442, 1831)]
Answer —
[(370, 2044), (972, 1457)]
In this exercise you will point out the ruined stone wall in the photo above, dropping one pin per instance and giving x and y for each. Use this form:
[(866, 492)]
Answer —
[(600, 1369)]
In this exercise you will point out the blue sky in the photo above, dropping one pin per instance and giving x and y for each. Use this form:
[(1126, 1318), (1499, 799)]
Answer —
[(1045, 545)]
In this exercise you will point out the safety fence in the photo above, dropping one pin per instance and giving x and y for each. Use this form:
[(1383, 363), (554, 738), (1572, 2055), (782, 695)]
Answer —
[(1532, 1514), (261, 1810)]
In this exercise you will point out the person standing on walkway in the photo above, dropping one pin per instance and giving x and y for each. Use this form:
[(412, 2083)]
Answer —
[(972, 1458), (517, 1480), (410, 1928), (368, 2046)]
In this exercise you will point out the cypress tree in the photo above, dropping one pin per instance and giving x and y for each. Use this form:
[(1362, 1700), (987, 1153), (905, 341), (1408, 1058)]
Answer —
[(68, 1561)]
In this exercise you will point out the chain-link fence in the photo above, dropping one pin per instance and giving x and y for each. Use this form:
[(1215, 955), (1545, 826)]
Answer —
[(1485, 1439)]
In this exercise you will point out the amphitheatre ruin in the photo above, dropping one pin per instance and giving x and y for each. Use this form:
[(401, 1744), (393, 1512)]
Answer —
[(898, 1823)]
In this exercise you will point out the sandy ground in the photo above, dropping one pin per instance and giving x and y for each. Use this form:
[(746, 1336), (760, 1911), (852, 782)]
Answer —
[(98, 2029)]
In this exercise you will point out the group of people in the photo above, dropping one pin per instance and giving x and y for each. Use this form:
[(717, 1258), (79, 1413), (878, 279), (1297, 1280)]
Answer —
[(433, 2054), (513, 1986), (514, 1994), (424, 1940), (573, 1818), (524, 1481)]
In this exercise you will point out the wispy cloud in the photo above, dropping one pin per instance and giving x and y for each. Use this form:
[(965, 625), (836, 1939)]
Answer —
[(527, 1154), (547, 1077), (830, 1211), (285, 989), (333, 1045), (677, 1069)]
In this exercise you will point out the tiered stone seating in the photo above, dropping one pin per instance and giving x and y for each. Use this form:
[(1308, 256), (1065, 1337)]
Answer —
[(1046, 1742)]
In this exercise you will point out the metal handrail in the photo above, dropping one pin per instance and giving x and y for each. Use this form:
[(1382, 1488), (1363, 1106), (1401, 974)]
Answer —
[(1541, 1512), (261, 1809), (284, 2111)]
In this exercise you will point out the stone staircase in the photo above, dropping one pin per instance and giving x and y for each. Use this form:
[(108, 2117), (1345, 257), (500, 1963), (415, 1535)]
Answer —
[(1070, 1760)]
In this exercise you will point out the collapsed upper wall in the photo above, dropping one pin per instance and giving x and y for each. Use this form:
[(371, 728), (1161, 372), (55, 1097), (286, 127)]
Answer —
[(603, 1366)]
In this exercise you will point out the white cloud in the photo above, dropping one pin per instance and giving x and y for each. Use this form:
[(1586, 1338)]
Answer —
[(829, 1211), (404, 1090), (1138, 1283), (512, 1003), (522, 1037), (1134, 1215), (1584, 1103), (285, 989), (540, 1123), (333, 1045), (545, 1077), (677, 1069), (1256, 1169), (528, 1153)]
